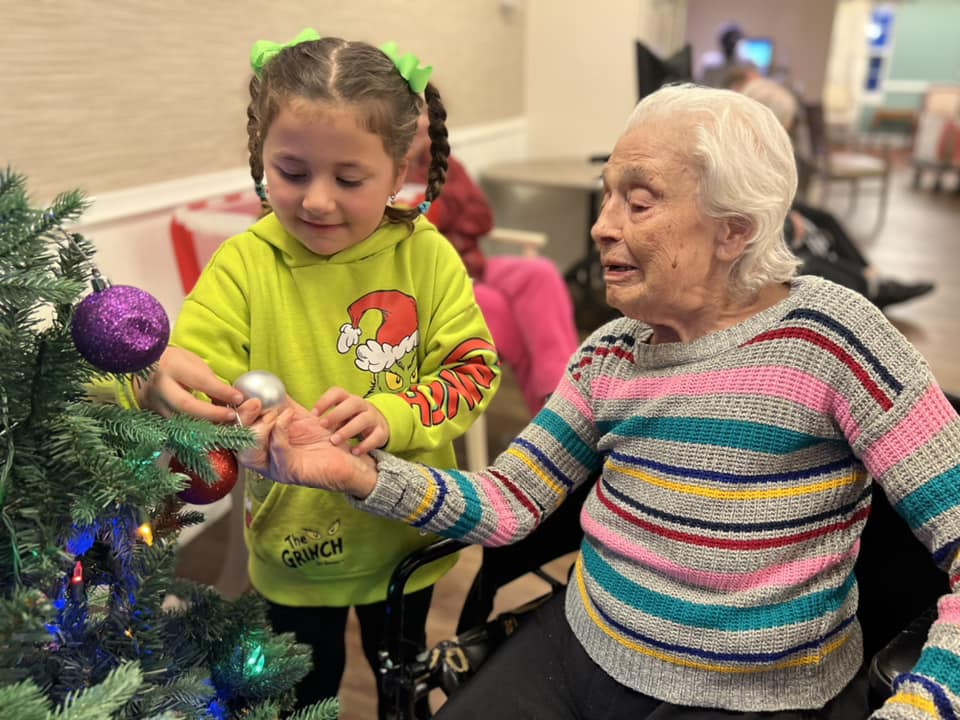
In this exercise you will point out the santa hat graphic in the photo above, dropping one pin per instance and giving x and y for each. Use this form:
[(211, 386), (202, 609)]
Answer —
[(396, 336)]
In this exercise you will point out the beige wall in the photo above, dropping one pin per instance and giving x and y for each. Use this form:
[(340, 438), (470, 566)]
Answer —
[(111, 94), (800, 29), (581, 81)]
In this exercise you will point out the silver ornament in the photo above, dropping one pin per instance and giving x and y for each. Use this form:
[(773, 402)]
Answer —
[(264, 386)]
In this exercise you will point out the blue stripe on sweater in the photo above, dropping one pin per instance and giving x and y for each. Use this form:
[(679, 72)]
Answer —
[(733, 434), (438, 501), (803, 609), (844, 464), (572, 443), (944, 554), (851, 339), (545, 462), (937, 495), (472, 510), (736, 527)]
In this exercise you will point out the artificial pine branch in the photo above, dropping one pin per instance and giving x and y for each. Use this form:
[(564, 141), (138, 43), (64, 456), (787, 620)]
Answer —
[(83, 631)]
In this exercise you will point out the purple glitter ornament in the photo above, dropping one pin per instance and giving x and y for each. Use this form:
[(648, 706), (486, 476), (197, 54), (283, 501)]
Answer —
[(120, 329)]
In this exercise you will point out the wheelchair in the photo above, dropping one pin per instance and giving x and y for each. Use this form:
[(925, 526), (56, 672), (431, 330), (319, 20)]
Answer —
[(900, 605)]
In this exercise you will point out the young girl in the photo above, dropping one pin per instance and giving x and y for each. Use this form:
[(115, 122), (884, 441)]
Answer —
[(362, 309)]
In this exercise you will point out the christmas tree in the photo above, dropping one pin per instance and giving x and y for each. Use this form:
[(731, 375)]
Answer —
[(89, 512)]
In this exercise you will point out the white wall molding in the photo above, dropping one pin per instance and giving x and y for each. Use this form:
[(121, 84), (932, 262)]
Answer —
[(482, 145), (476, 147), (145, 199)]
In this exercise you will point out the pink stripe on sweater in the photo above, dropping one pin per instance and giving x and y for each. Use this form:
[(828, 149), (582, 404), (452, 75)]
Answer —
[(770, 380), (506, 527), (785, 575), (925, 419), (948, 610), (568, 392)]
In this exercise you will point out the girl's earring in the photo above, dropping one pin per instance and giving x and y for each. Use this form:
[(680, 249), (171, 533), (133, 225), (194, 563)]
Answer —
[(392, 199)]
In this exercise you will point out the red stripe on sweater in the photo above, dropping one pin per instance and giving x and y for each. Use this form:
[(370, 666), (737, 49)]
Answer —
[(835, 350), (521, 497), (692, 539)]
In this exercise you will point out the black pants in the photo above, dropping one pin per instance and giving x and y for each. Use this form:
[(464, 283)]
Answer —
[(323, 629), (842, 245), (844, 263), (542, 672)]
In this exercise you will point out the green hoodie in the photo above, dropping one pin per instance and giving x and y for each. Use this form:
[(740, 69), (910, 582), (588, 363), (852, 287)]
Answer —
[(392, 319)]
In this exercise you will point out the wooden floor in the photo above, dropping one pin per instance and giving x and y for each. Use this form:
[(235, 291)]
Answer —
[(920, 239)]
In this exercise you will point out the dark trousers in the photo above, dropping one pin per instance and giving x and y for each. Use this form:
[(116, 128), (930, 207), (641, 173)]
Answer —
[(542, 672), (844, 264), (323, 629), (841, 244)]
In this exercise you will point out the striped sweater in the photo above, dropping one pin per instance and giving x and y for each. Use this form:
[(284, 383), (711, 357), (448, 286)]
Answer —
[(717, 564)]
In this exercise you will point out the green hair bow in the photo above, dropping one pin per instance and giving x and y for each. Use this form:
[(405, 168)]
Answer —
[(263, 51), (409, 67)]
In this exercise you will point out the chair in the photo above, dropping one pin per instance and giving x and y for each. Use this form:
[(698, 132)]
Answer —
[(852, 162), (936, 146)]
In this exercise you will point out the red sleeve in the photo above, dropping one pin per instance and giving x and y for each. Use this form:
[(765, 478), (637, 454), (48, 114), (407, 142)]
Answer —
[(462, 208)]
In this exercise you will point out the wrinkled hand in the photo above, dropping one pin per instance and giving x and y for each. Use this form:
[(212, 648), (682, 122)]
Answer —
[(294, 447), (170, 387), (348, 416)]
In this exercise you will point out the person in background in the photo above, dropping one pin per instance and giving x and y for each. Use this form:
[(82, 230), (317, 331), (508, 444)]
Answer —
[(718, 66), (747, 79), (524, 299), (362, 309), (738, 416), (815, 235), (822, 243)]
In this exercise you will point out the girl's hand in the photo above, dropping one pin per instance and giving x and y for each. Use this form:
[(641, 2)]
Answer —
[(170, 387), (349, 416), (294, 448)]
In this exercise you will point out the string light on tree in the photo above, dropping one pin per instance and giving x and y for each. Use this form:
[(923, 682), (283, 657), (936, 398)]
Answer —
[(145, 531)]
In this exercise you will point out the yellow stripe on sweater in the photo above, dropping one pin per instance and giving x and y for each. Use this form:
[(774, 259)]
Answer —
[(717, 493), (811, 658), (558, 490), (920, 703), (427, 498)]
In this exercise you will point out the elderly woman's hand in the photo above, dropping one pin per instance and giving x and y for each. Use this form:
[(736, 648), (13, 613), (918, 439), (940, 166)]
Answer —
[(294, 448)]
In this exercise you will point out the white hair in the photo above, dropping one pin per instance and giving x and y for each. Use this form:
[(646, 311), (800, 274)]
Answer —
[(746, 169)]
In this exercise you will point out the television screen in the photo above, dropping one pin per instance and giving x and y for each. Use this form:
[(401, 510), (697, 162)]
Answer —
[(757, 50)]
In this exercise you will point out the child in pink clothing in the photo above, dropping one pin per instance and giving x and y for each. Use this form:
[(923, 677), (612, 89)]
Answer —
[(524, 300)]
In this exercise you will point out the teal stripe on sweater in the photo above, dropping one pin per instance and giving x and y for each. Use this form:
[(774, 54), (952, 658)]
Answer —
[(803, 609), (471, 511), (567, 437), (941, 666), (935, 496), (739, 434)]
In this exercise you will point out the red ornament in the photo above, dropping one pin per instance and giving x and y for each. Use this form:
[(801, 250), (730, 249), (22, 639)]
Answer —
[(224, 464)]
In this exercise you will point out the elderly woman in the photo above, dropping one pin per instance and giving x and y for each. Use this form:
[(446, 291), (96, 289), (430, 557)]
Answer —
[(736, 416)]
